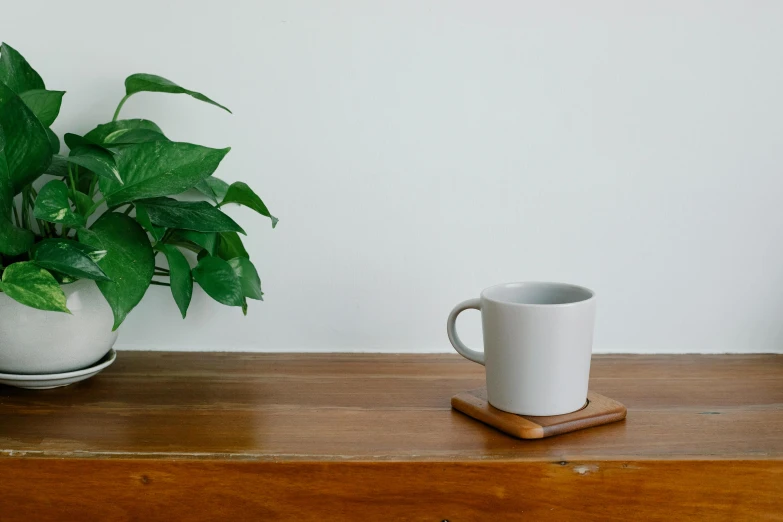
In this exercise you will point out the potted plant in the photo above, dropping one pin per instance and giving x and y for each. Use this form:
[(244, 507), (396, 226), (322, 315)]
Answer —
[(83, 235)]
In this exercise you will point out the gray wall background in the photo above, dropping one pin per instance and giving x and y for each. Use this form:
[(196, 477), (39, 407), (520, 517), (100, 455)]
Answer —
[(419, 151)]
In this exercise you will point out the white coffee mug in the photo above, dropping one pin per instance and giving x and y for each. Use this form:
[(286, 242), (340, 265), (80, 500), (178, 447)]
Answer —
[(538, 339)]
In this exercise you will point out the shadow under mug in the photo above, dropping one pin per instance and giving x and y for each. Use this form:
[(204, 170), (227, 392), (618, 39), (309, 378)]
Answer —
[(538, 339)]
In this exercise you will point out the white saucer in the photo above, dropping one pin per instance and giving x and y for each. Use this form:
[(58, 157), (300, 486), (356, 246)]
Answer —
[(55, 380)]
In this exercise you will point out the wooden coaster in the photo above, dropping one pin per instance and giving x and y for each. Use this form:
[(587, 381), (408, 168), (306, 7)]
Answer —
[(598, 410)]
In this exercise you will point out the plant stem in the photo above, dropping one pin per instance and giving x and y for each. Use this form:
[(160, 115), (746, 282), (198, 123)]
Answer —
[(16, 215), (70, 176), (95, 206), (31, 205), (165, 270), (122, 102), (25, 215), (93, 182), (159, 283), (41, 226)]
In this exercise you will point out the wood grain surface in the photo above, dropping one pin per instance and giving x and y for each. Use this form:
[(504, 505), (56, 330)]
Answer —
[(390, 407), (200, 436), (44, 490), (597, 411)]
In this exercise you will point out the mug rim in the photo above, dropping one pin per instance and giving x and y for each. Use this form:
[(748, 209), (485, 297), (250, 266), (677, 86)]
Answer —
[(591, 293)]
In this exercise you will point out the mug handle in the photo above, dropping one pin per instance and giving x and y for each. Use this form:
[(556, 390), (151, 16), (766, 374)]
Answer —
[(451, 329)]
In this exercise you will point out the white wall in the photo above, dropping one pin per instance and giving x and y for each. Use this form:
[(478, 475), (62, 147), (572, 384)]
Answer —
[(419, 151)]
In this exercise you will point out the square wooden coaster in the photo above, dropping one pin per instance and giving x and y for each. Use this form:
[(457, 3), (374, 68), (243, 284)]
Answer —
[(598, 410)]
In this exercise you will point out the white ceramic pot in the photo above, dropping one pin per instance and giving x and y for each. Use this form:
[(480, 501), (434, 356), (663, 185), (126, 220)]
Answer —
[(37, 342)]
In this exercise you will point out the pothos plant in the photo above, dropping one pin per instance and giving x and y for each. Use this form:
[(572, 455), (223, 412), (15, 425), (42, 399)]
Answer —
[(106, 211)]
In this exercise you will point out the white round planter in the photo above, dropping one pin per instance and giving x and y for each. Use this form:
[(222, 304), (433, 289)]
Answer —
[(37, 342)]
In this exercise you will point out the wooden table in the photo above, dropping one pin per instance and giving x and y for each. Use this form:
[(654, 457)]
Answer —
[(222, 436)]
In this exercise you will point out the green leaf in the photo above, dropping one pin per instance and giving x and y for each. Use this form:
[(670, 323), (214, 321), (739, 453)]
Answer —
[(44, 104), (93, 157), (52, 205), (137, 136), (16, 73), (96, 160), (159, 168), (212, 187), (93, 253), (13, 240), (129, 262), (28, 151), (241, 194), (113, 132), (188, 215), (219, 281), (144, 220), (206, 240), (152, 83), (85, 182), (83, 202), (248, 276), (58, 167), (74, 141), (180, 277), (33, 286), (6, 189), (65, 279), (230, 246), (117, 140), (69, 257), (54, 142)]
